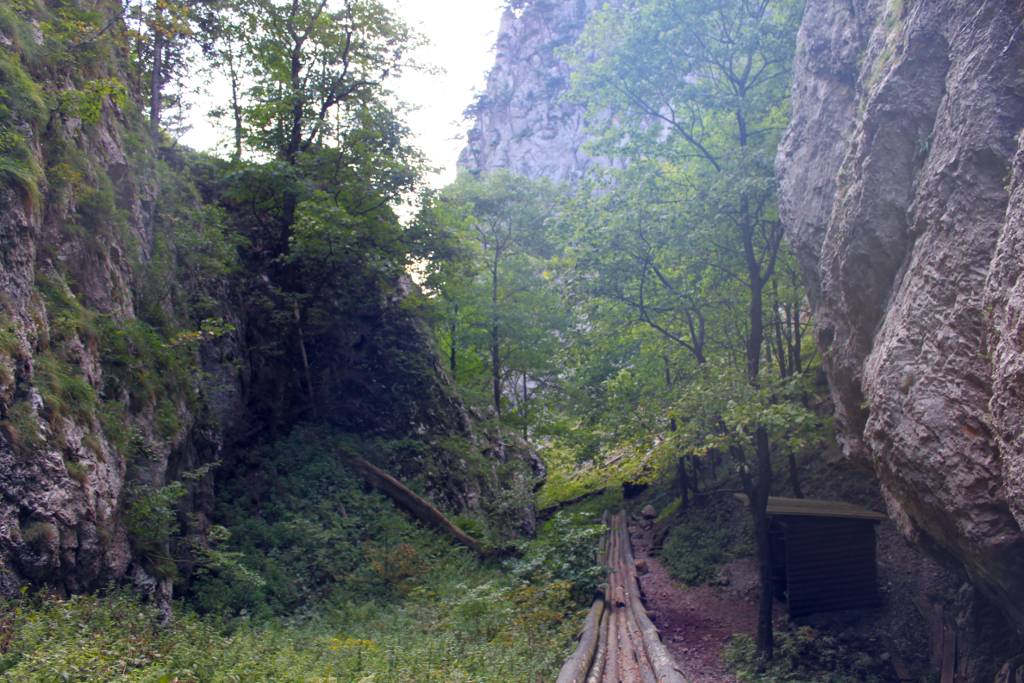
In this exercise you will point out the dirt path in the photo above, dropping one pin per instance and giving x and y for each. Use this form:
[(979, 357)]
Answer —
[(696, 623)]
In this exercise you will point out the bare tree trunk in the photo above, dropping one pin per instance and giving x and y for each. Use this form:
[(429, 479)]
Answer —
[(305, 362), (684, 483), (420, 509), (496, 370), (794, 477), (758, 491), (156, 77), (236, 110)]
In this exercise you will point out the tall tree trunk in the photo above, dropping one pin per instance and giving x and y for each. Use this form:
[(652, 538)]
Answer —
[(495, 339), (452, 328), (526, 407), (236, 110), (780, 331), (757, 485), (496, 370), (794, 477), (305, 362), (684, 483), (797, 340), (156, 76)]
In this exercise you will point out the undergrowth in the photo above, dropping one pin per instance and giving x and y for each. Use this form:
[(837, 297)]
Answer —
[(703, 539), (494, 630), (327, 581), (802, 654), (564, 552)]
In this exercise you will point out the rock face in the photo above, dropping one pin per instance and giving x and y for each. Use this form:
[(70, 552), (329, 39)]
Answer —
[(520, 122), (893, 186), (100, 405), (62, 482)]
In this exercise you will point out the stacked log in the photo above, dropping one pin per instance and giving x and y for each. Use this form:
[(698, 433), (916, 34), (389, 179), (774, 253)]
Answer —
[(619, 643)]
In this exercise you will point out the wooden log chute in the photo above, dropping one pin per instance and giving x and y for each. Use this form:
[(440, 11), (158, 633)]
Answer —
[(619, 642), (403, 496)]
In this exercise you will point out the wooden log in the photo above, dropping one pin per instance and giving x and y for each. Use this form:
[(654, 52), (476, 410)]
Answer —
[(938, 637), (665, 668), (576, 667), (596, 674), (933, 619), (948, 656), (902, 672), (419, 508), (637, 646), (611, 672), (628, 669)]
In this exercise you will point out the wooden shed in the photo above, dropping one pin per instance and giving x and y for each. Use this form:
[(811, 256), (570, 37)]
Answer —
[(823, 555)]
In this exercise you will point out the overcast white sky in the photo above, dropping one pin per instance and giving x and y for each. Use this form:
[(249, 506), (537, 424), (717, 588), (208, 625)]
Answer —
[(461, 33)]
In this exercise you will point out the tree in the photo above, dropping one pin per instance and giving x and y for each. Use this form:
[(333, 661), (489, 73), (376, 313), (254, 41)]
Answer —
[(329, 159), (502, 310), (167, 34), (699, 93)]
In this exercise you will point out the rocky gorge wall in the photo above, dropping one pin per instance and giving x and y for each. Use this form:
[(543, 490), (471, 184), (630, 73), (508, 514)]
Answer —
[(520, 121), (901, 182), (109, 395)]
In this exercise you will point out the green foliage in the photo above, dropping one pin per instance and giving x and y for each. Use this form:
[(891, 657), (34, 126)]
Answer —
[(87, 104), (295, 105), (498, 311), (566, 477), (802, 654), (702, 540), (21, 108), (564, 551), (98, 213), (149, 515), (474, 626), (719, 409), (142, 365), (65, 392), (303, 524)]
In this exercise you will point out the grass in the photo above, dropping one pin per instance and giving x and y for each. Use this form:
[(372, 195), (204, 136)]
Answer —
[(473, 624)]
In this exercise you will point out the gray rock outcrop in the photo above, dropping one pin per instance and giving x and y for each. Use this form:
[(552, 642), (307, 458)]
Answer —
[(521, 122), (893, 187)]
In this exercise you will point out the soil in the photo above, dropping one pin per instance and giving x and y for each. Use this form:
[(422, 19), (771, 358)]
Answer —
[(697, 623)]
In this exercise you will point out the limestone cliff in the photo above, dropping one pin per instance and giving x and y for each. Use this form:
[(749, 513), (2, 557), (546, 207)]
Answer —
[(520, 121), (109, 396), (901, 183)]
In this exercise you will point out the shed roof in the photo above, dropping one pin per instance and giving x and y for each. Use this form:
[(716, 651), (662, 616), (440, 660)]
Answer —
[(817, 508)]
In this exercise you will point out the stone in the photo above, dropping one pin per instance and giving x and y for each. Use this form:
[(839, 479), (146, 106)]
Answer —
[(520, 121), (892, 185), (649, 512)]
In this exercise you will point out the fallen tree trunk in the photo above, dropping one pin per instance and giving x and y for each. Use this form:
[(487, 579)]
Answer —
[(549, 510), (419, 508)]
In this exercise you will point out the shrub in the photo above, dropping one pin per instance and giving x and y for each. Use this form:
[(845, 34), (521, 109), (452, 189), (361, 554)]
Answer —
[(304, 524), (802, 654), (704, 539), (564, 552)]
